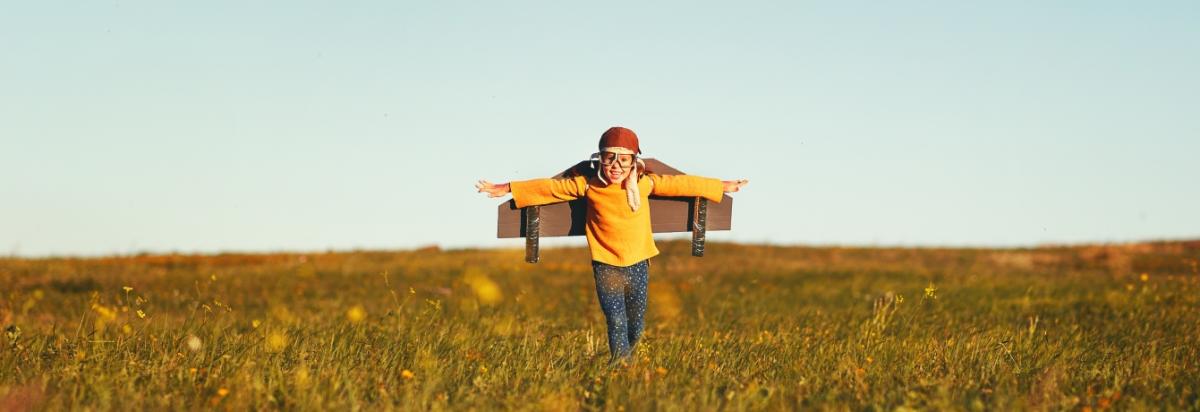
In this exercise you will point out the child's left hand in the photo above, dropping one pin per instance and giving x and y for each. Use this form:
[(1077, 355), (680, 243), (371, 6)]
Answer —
[(734, 185)]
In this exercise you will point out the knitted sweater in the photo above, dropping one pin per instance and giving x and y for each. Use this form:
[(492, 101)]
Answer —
[(616, 234)]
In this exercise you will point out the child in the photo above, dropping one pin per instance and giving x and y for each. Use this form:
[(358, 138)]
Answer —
[(618, 224)]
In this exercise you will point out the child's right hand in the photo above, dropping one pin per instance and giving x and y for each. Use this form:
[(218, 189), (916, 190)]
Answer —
[(492, 190)]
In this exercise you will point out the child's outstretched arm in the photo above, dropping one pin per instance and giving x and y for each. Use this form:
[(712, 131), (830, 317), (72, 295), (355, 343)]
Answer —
[(492, 189), (537, 191), (685, 185)]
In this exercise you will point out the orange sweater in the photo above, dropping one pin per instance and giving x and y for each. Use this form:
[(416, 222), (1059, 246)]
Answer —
[(616, 234)]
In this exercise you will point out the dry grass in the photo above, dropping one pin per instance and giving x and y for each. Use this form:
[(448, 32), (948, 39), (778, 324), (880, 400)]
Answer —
[(746, 328)]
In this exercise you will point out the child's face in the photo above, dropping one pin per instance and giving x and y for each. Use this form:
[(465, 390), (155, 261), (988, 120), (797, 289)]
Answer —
[(616, 167)]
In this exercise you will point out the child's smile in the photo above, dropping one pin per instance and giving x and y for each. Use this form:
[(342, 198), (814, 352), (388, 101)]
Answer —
[(615, 173)]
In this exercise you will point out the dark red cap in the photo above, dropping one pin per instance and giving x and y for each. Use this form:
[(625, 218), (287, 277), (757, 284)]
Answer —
[(618, 136)]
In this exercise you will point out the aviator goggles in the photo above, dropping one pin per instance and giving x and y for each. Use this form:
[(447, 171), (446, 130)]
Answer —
[(625, 161)]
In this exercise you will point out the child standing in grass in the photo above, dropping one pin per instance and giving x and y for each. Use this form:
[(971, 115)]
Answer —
[(618, 224)]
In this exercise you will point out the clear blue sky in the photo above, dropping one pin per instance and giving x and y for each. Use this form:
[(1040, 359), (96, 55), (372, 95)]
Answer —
[(207, 126)]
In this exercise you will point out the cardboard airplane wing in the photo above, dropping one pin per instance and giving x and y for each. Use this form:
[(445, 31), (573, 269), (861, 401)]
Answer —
[(667, 214)]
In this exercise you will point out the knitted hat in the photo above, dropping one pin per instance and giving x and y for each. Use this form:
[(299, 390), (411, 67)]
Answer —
[(623, 141)]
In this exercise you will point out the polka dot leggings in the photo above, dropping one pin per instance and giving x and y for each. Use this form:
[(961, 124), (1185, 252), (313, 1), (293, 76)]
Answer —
[(622, 293)]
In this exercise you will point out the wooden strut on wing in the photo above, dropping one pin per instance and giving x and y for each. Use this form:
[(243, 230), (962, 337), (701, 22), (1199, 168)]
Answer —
[(533, 226), (698, 223), (667, 214)]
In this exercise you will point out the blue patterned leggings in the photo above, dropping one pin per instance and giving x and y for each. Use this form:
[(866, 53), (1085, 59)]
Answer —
[(622, 293)]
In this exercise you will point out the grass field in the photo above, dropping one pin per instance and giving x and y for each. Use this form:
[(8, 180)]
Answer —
[(745, 328)]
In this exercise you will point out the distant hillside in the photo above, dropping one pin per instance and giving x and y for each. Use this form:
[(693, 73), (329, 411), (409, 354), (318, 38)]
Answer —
[(1182, 256)]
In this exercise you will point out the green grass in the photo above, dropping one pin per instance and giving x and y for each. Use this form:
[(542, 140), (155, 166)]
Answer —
[(745, 328)]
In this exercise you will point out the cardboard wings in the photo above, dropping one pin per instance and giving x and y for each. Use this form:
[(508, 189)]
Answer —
[(667, 214)]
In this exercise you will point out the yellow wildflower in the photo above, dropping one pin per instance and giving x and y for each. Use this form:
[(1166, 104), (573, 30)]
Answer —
[(302, 377), (485, 289), (276, 342), (356, 314), (104, 312)]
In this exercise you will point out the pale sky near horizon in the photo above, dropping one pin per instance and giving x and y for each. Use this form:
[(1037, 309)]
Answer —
[(129, 126)]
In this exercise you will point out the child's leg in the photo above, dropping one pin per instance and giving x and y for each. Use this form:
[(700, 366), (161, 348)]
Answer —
[(635, 300), (610, 288)]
